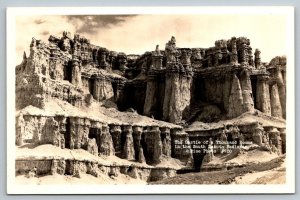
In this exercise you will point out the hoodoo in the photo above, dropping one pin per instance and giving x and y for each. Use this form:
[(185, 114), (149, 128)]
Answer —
[(145, 115)]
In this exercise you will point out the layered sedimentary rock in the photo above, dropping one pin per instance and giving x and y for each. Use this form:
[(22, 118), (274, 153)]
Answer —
[(78, 167), (262, 136), (163, 80), (177, 85)]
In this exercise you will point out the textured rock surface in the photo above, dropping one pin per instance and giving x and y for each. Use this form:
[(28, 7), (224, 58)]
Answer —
[(102, 90), (106, 147), (92, 146), (177, 97), (275, 102), (263, 95), (50, 133), (236, 98), (128, 150), (75, 95), (248, 104)]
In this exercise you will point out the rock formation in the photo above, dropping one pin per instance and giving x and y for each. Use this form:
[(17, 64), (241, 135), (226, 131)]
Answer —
[(176, 85), (236, 98), (128, 151)]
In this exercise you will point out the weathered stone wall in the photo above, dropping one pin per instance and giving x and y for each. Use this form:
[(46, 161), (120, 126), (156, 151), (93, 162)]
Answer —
[(164, 85), (268, 138), (39, 89), (78, 167), (144, 144), (66, 68), (24, 166), (54, 70)]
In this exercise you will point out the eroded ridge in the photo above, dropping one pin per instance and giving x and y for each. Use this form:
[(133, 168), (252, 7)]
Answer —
[(129, 113)]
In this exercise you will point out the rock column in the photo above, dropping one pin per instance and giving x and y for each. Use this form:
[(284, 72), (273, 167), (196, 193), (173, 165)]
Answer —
[(73, 130), (257, 135), (118, 95), (76, 72), (157, 153), (20, 130), (243, 47), (178, 82), (157, 59), (80, 133), (151, 94), (122, 61), (128, 149), (234, 53), (38, 131), (283, 139), (106, 147), (281, 90), (257, 59), (235, 107), (248, 104), (86, 130), (275, 102), (115, 131), (155, 75), (51, 133), (102, 59), (251, 61), (166, 141), (93, 141), (62, 130), (137, 137), (274, 136), (263, 95)]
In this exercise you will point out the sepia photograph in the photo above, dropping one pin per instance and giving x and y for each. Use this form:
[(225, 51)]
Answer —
[(150, 100)]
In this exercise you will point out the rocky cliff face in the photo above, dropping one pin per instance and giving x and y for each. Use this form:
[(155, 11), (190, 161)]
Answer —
[(175, 85)]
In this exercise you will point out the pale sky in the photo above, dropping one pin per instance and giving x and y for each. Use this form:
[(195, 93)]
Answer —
[(135, 34)]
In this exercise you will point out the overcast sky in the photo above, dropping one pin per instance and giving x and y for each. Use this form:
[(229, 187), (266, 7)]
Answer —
[(135, 34)]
